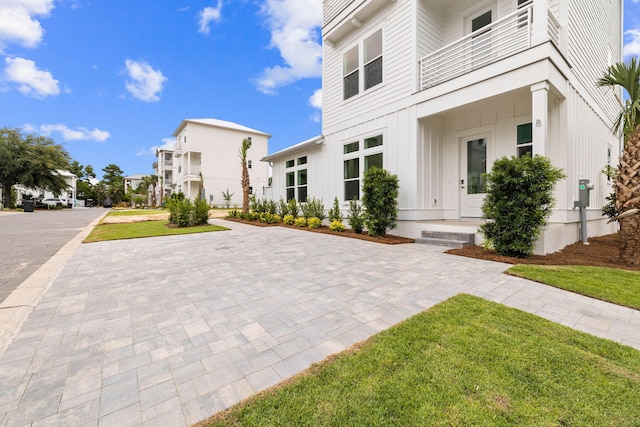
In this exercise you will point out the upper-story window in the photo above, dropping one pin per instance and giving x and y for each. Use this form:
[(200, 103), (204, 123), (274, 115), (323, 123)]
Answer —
[(370, 67)]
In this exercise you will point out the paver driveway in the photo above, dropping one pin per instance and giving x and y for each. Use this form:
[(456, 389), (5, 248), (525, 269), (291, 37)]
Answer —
[(170, 330)]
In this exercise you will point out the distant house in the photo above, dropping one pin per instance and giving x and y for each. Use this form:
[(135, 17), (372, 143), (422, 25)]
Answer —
[(205, 160), (69, 194), (436, 90), (132, 182), (164, 172)]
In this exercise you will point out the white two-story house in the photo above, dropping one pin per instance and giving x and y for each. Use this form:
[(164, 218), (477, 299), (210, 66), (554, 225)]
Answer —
[(206, 158), (164, 172), (436, 90)]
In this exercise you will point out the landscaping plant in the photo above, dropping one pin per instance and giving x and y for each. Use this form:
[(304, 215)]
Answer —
[(336, 226), (227, 197), (293, 208), (335, 214), (300, 222), (356, 219), (314, 222), (518, 203), (288, 219), (312, 208), (380, 199)]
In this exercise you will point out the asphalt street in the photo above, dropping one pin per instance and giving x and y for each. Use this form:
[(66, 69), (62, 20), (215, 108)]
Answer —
[(29, 239)]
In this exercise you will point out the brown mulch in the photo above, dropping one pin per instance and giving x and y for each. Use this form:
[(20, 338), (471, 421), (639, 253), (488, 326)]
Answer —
[(601, 251), (387, 239)]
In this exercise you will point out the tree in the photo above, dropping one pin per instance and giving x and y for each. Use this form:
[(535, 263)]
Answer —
[(32, 161), (114, 182), (627, 183), (149, 181), (246, 144)]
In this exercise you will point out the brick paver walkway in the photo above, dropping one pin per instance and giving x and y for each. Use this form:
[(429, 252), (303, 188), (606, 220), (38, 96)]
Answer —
[(170, 330)]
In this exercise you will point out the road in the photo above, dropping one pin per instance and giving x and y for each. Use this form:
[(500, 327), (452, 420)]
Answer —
[(29, 239)]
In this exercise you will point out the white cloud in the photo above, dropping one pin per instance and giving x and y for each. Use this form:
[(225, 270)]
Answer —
[(208, 15), (632, 47), (144, 82), (17, 23), (294, 27), (81, 134), (31, 81), (316, 99)]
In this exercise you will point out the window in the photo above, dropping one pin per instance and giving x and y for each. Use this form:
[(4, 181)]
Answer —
[(524, 139), (371, 156), (296, 182), (290, 163), (248, 164), (371, 65), (302, 160), (250, 190), (302, 185)]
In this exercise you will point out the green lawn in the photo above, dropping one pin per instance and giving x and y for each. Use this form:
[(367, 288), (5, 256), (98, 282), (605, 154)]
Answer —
[(134, 230), (464, 362), (620, 287)]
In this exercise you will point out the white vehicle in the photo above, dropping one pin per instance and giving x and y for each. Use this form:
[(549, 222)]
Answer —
[(55, 201)]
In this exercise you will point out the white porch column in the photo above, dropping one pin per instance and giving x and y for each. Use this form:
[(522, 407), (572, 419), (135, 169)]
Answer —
[(540, 117), (540, 22)]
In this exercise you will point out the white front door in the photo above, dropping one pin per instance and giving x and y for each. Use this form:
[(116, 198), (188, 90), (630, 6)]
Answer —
[(473, 165)]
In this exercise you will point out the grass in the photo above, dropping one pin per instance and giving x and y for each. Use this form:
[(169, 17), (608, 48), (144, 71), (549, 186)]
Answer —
[(134, 230), (464, 362), (617, 286)]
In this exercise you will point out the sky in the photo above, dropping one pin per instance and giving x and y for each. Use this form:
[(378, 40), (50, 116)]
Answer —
[(111, 80)]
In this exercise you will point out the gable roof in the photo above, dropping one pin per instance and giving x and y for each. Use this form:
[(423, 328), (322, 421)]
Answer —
[(221, 124)]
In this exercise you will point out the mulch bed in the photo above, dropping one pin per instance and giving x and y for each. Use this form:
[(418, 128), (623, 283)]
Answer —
[(601, 251), (387, 239)]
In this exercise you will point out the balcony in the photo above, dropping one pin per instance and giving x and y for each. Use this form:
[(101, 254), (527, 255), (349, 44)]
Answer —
[(501, 39), (192, 172)]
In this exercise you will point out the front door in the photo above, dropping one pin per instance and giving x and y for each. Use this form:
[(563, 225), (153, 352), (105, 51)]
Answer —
[(473, 166)]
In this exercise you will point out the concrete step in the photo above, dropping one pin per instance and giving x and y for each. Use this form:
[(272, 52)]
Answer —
[(447, 239)]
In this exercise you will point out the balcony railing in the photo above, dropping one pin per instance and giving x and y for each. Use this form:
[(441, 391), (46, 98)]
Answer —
[(192, 171), (492, 43)]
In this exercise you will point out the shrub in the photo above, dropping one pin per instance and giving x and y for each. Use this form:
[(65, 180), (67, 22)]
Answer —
[(200, 213), (300, 222), (269, 218), (270, 206), (609, 209), (293, 207), (179, 209), (313, 208), (518, 203), (356, 219), (335, 214), (256, 204), (314, 222), (336, 226), (254, 216), (283, 208), (288, 219), (234, 213), (380, 199)]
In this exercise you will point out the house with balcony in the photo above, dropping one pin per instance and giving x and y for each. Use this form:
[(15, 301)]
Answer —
[(206, 160), (436, 90), (164, 172)]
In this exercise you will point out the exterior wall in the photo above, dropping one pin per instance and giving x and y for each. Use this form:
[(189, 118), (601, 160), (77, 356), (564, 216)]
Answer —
[(213, 151)]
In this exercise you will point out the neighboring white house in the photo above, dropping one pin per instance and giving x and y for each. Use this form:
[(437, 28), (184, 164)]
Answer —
[(436, 90), (206, 158), (132, 182), (69, 194), (164, 172)]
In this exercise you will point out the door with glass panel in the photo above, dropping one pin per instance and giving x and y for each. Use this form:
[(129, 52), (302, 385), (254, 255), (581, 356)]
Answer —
[(473, 166)]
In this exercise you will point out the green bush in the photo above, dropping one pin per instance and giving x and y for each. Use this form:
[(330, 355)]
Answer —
[(200, 213), (283, 208), (312, 208), (335, 214), (518, 203), (293, 208), (288, 219), (356, 219), (269, 218), (234, 213), (336, 226), (380, 199), (179, 209), (314, 222), (300, 222)]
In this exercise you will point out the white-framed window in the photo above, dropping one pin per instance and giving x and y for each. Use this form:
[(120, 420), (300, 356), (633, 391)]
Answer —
[(296, 179), (524, 139), (248, 164), (358, 160), (363, 59)]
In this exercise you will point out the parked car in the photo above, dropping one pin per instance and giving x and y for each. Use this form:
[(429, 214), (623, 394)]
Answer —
[(54, 201), (108, 203), (89, 203)]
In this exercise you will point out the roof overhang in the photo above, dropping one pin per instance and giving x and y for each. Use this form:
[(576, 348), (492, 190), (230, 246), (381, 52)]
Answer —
[(301, 146)]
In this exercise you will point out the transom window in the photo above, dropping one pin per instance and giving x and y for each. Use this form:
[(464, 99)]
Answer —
[(358, 161), (370, 50), (524, 139)]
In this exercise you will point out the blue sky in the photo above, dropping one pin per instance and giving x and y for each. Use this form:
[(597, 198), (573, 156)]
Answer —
[(112, 79)]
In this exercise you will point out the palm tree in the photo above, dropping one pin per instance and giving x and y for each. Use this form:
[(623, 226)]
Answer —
[(246, 144), (627, 184)]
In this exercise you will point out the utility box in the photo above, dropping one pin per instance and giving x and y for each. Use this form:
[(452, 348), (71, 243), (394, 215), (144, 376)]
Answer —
[(585, 188)]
